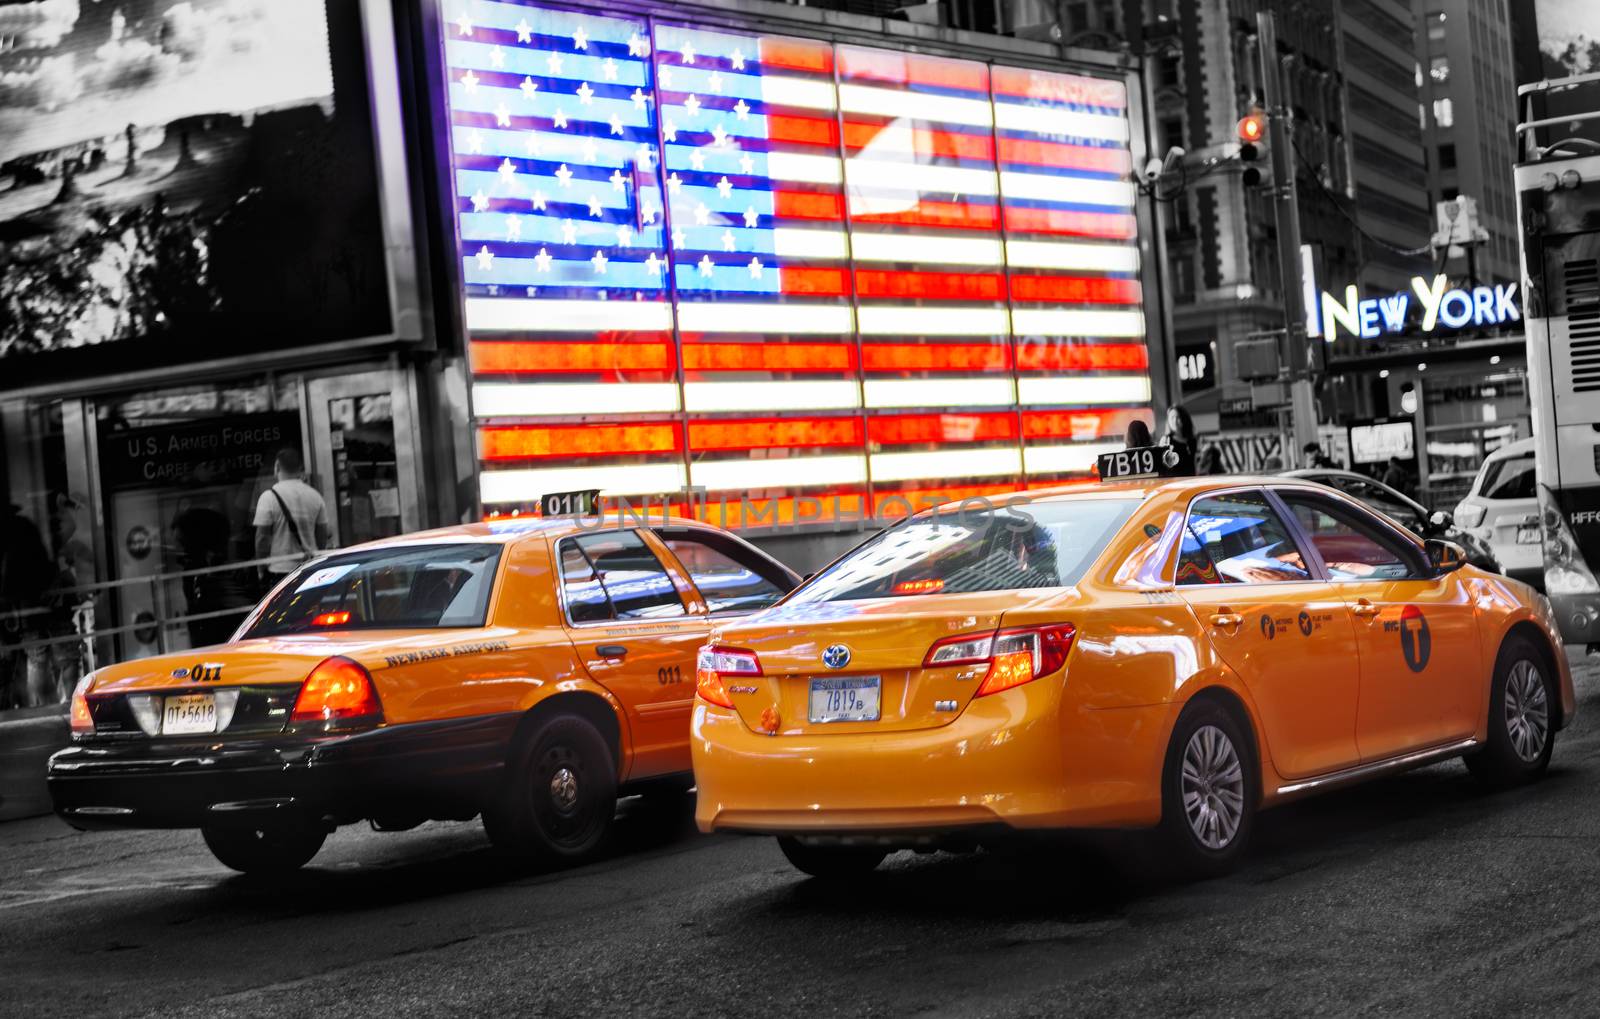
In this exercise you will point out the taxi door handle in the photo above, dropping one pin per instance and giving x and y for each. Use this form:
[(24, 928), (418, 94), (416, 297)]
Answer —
[(1364, 609), (1226, 620), (610, 650)]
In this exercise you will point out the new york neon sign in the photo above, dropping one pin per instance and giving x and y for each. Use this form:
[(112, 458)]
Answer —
[(1441, 304)]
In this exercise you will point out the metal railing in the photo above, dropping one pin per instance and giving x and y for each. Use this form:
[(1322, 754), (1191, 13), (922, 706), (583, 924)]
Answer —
[(81, 650)]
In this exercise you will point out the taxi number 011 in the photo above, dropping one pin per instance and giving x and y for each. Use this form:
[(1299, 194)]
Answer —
[(189, 713), (845, 700)]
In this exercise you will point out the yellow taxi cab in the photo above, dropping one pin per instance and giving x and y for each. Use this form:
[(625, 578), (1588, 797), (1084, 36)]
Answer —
[(1171, 654), (529, 670)]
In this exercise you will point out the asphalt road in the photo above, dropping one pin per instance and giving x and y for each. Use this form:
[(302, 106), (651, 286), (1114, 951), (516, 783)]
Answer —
[(1417, 895)]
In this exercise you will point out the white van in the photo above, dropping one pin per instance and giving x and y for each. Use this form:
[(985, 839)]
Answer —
[(1502, 508)]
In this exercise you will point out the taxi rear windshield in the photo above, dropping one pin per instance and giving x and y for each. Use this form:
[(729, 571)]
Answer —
[(417, 587), (1006, 548)]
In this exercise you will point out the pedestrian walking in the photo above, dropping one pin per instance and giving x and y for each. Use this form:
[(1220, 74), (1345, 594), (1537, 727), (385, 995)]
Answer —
[(1315, 457), (291, 518)]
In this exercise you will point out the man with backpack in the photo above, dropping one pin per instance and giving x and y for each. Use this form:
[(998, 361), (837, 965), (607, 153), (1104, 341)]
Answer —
[(291, 519)]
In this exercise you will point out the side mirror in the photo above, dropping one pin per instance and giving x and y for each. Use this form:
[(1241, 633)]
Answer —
[(1439, 520), (1445, 556)]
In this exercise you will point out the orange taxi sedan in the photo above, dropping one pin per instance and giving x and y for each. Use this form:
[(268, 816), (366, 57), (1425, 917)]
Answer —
[(528, 670), (1163, 654)]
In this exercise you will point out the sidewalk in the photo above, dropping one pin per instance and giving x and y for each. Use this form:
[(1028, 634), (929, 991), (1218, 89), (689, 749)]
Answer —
[(25, 744)]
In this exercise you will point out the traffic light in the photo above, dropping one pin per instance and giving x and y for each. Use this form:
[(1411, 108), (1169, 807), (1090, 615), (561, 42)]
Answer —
[(1253, 145)]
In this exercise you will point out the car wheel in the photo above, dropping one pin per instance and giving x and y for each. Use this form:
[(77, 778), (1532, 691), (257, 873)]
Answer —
[(561, 794), (277, 848), (1521, 734), (1207, 792), (831, 863)]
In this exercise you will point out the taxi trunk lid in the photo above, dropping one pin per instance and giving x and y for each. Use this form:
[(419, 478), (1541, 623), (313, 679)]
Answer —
[(253, 682), (887, 639)]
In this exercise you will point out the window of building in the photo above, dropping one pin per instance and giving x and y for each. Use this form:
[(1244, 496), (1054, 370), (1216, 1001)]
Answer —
[(1436, 21), (1171, 70), (1447, 157), (1171, 134), (1444, 113), (1439, 69)]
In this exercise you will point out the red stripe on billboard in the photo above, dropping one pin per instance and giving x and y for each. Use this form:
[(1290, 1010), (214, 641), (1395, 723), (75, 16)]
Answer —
[(1057, 154), (905, 429), (954, 357), (912, 69), (928, 143), (1082, 357), (537, 442), (796, 55), (936, 286), (538, 357), (771, 357), (785, 127), (808, 205), (816, 282), (1118, 225), (765, 433), (951, 215), (1075, 289)]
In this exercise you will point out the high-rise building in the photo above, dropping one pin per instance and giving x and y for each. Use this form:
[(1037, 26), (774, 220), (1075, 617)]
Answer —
[(1469, 94)]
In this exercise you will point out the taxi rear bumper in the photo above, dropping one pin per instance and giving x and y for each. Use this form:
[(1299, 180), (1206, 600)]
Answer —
[(415, 771), (1018, 760)]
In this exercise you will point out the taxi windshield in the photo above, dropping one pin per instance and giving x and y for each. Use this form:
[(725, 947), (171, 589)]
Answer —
[(409, 587), (1047, 544)]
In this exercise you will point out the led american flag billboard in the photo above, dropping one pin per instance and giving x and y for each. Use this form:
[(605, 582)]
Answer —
[(784, 268)]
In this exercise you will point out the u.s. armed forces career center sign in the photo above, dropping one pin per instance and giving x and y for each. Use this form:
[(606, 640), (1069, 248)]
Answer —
[(1441, 306)]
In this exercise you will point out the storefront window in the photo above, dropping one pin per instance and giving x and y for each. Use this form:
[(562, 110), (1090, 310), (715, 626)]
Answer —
[(46, 554), (181, 473)]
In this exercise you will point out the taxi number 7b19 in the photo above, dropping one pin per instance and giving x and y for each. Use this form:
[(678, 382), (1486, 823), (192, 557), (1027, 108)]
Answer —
[(845, 700)]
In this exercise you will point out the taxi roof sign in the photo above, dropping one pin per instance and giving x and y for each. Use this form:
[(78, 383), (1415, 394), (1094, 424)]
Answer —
[(569, 504), (1138, 462)]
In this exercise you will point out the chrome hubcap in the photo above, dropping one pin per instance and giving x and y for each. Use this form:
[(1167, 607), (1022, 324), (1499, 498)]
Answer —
[(1527, 711), (1213, 787), (564, 788)]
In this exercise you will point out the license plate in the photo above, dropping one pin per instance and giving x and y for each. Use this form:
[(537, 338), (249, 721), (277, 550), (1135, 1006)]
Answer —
[(845, 700), (1527, 535), (189, 713)]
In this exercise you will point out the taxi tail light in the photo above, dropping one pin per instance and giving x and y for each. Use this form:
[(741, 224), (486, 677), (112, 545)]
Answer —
[(716, 661), (338, 690), (1024, 655), (82, 720)]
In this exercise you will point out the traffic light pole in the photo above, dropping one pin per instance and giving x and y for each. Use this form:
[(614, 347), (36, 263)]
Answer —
[(1280, 144)]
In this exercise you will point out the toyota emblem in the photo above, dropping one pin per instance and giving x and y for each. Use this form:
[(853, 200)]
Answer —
[(836, 656)]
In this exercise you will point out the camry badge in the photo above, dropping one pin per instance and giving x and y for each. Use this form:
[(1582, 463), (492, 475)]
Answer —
[(836, 656)]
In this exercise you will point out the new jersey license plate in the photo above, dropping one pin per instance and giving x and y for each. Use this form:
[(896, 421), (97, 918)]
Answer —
[(189, 713), (847, 699)]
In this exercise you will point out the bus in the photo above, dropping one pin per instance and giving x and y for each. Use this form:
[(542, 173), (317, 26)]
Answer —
[(1558, 203)]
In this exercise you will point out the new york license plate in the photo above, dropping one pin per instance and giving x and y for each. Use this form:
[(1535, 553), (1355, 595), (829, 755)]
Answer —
[(847, 699), (189, 713)]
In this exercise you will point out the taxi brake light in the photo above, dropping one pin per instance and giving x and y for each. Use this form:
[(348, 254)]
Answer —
[(715, 661), (331, 619), (931, 586), (82, 721), (338, 690), (1023, 655)]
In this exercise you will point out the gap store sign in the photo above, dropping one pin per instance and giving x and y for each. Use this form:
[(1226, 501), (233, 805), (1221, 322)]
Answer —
[(1430, 306)]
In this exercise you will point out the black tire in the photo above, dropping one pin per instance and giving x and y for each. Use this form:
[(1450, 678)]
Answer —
[(1521, 719), (831, 863), (1207, 808), (276, 848), (560, 795)]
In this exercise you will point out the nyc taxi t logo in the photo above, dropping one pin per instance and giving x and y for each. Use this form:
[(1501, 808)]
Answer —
[(1415, 643)]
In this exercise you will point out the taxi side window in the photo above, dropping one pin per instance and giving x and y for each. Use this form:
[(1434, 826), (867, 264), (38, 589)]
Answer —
[(1352, 547), (726, 584), (1237, 539), (614, 575)]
